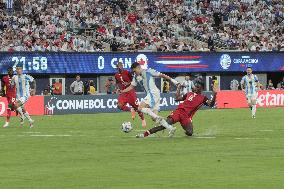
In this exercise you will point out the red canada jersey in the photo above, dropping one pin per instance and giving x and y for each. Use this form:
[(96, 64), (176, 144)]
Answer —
[(10, 89), (192, 102), (123, 79)]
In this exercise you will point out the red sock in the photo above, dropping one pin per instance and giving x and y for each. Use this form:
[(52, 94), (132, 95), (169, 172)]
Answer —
[(146, 133), (125, 108), (8, 115), (141, 115)]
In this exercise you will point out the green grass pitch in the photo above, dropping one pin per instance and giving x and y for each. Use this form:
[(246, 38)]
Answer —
[(229, 150)]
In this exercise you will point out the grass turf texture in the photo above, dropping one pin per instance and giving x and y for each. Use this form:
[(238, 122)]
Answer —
[(90, 151)]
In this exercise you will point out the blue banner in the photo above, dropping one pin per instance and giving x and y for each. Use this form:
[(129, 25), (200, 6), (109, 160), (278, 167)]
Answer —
[(88, 104), (105, 63)]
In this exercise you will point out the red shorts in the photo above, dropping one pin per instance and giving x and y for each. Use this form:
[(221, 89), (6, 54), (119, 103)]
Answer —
[(181, 116), (130, 98), (11, 100)]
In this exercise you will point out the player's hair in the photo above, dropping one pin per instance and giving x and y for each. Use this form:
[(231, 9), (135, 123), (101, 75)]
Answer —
[(199, 82), (118, 64), (10, 68), (134, 65), (249, 67)]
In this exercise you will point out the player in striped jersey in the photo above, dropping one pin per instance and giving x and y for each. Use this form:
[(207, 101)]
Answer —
[(250, 84), (151, 103), (22, 83)]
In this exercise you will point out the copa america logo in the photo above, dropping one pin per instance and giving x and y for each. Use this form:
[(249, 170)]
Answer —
[(225, 61), (49, 108), (142, 60)]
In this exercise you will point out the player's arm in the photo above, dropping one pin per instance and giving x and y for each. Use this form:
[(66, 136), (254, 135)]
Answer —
[(130, 87), (164, 76), (243, 83), (2, 87), (179, 96), (32, 82), (71, 87), (211, 102), (257, 83), (33, 85)]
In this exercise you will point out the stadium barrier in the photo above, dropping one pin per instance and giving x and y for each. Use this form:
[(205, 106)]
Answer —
[(237, 99), (35, 106), (55, 105)]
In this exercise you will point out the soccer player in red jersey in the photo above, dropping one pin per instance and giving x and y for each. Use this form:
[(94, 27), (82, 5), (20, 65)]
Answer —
[(123, 80), (192, 101), (10, 92)]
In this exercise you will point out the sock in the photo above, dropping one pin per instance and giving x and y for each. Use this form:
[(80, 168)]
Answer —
[(141, 115), (8, 115), (146, 133), (125, 108), (154, 130), (149, 112), (27, 116), (166, 125), (20, 110), (253, 110)]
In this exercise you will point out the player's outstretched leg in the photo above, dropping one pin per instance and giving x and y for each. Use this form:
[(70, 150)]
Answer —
[(157, 129), (141, 115), (123, 107), (26, 114), (188, 128), (7, 118), (253, 108)]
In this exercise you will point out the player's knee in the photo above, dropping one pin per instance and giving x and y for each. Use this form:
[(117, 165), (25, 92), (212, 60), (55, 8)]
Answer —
[(170, 120), (140, 108), (189, 132), (119, 105)]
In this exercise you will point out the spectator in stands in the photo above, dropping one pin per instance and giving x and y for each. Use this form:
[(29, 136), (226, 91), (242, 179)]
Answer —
[(127, 25), (77, 86), (282, 83), (187, 84), (92, 89), (166, 86), (234, 85), (57, 87), (110, 86), (270, 85)]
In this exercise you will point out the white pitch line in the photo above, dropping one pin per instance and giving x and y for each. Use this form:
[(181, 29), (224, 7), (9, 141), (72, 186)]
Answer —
[(266, 130), (50, 135), (247, 138), (204, 137), (31, 132)]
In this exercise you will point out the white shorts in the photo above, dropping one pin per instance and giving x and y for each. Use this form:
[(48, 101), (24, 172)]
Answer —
[(23, 99), (153, 100), (251, 98)]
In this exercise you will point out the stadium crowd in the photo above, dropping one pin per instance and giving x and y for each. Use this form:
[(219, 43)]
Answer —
[(142, 25)]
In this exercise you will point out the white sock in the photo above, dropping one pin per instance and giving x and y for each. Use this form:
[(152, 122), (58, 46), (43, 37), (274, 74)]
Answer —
[(20, 110), (149, 112), (28, 116), (253, 111), (166, 125)]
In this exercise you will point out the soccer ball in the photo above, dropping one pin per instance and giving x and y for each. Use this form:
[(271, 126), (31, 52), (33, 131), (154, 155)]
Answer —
[(126, 127)]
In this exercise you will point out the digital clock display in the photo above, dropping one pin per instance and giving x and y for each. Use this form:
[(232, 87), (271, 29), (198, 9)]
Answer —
[(37, 63)]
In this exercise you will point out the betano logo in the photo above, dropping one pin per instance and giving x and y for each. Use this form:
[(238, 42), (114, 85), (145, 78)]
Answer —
[(271, 99)]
